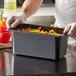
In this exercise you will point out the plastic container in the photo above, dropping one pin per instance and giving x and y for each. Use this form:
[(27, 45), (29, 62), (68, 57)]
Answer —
[(39, 45), (10, 5)]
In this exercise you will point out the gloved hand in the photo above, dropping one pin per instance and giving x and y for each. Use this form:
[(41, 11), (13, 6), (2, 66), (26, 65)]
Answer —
[(70, 30), (13, 21)]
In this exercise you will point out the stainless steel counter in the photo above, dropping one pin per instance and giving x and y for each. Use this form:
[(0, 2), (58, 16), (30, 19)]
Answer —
[(11, 64)]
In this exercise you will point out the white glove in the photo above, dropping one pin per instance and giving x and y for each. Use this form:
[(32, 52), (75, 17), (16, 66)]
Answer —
[(13, 21), (70, 30)]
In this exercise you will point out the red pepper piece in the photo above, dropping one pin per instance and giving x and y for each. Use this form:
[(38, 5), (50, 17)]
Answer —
[(3, 29), (4, 35)]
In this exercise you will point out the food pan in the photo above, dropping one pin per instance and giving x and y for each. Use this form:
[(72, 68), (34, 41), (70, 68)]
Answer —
[(37, 44)]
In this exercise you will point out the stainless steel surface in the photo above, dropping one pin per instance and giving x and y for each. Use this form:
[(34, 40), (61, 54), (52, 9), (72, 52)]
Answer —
[(11, 64)]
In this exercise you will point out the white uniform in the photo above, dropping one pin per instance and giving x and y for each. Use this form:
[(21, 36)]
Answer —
[(65, 13)]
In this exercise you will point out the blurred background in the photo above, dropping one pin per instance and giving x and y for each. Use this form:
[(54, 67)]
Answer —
[(44, 16), (46, 3)]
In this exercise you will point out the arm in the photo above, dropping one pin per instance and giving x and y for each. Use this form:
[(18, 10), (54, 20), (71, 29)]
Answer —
[(29, 7)]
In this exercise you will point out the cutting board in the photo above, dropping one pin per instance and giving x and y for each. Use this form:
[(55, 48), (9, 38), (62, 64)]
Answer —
[(7, 45)]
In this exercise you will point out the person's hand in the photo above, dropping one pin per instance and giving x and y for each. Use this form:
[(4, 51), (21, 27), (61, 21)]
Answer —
[(13, 21), (70, 30)]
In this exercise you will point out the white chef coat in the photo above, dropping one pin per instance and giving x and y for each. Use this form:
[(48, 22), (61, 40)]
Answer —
[(65, 13)]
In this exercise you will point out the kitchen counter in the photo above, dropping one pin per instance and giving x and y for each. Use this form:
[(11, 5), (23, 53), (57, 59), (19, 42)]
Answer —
[(11, 64)]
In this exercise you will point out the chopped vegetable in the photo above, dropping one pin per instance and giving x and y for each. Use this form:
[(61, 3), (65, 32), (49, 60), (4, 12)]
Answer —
[(51, 32)]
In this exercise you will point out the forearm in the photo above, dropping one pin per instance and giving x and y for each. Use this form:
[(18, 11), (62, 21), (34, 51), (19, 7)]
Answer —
[(31, 6)]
